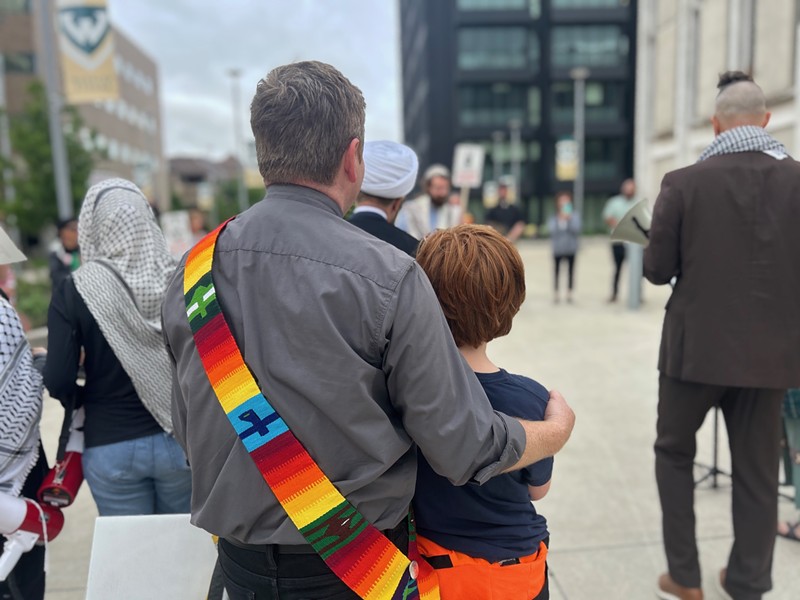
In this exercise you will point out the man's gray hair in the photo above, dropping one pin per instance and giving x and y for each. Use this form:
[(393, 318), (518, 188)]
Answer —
[(304, 116), (739, 95)]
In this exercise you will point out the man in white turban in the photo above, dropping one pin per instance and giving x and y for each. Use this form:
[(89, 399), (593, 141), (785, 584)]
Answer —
[(390, 170)]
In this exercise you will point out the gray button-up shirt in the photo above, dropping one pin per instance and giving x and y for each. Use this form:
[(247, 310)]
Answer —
[(346, 338)]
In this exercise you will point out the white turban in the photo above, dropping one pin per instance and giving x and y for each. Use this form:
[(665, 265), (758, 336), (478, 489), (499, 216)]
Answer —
[(390, 170)]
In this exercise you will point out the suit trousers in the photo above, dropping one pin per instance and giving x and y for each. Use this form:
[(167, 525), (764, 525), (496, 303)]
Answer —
[(619, 252), (753, 420)]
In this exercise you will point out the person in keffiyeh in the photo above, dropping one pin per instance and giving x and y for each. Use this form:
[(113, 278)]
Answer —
[(22, 462), (110, 310)]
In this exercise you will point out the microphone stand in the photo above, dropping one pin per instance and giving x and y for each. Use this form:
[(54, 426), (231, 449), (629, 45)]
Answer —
[(712, 470)]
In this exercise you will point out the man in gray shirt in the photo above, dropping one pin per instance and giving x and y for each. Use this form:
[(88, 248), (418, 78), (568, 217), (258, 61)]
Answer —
[(347, 340)]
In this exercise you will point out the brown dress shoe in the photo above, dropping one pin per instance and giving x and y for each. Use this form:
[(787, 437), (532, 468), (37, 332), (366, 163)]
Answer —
[(667, 589)]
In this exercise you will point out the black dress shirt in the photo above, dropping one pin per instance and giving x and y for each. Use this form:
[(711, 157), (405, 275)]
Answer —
[(378, 226)]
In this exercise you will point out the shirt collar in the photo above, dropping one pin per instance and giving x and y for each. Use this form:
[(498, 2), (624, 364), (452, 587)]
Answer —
[(371, 209), (304, 195)]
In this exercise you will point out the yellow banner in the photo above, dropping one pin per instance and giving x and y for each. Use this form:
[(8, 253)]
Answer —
[(566, 160), (87, 51)]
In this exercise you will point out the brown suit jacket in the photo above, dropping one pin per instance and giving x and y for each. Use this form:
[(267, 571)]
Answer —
[(729, 229)]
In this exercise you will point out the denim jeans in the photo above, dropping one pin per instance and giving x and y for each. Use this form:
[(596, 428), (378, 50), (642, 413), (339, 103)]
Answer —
[(144, 476)]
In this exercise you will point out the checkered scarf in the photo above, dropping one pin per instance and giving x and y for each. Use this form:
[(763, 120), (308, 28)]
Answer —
[(20, 403), (747, 138), (125, 272)]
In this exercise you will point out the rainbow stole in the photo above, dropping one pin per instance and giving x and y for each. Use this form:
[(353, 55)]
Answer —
[(360, 555)]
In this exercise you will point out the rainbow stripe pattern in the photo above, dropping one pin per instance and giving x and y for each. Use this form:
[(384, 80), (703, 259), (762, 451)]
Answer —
[(360, 555)]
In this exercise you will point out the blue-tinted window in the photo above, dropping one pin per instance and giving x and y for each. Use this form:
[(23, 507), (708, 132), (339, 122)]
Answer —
[(589, 46), (533, 6), (494, 105), (561, 4), (14, 6), (605, 102), (604, 158), (492, 48), (19, 62), (498, 48)]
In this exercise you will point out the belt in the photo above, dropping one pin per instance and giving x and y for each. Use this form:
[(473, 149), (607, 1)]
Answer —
[(443, 561), (269, 548), (398, 535)]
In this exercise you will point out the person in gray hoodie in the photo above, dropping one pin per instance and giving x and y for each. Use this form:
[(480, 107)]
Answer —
[(565, 231)]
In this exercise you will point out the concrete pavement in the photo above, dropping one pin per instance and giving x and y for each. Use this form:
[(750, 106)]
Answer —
[(603, 508)]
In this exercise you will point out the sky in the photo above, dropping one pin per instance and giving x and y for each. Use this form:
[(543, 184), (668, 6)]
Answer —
[(196, 42)]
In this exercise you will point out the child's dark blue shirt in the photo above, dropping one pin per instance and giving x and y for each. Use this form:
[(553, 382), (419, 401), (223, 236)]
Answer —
[(494, 521)]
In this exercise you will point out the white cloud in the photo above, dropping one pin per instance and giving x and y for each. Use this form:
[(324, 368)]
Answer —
[(195, 42)]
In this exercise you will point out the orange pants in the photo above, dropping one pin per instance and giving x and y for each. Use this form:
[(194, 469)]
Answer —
[(478, 579)]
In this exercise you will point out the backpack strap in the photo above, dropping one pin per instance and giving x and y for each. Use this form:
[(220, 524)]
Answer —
[(354, 549)]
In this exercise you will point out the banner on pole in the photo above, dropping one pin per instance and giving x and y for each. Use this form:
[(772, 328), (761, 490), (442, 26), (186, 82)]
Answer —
[(566, 160), (86, 42), (468, 165)]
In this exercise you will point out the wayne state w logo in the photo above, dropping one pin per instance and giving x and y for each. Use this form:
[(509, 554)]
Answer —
[(84, 27)]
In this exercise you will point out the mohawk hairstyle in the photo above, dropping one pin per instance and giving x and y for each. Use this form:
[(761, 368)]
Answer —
[(730, 77)]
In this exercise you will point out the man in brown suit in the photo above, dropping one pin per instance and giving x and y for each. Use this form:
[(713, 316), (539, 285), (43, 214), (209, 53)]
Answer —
[(728, 228)]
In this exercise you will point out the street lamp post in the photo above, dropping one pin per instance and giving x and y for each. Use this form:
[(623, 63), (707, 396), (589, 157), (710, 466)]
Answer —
[(54, 104), (579, 76), (497, 164), (515, 126), (241, 191), (5, 142)]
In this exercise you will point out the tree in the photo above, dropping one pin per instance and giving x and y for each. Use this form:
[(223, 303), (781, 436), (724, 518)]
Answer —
[(34, 205), (227, 199)]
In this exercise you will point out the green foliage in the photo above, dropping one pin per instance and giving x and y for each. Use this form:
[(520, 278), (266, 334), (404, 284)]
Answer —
[(33, 300), (227, 202), (35, 203), (175, 202)]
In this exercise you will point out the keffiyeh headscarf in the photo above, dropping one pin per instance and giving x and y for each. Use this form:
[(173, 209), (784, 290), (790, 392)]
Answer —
[(125, 272), (747, 138), (20, 403)]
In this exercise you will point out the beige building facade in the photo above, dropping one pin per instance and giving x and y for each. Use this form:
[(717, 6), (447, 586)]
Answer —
[(683, 45), (128, 130)]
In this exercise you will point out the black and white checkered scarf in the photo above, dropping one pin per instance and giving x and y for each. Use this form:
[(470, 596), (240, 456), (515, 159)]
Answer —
[(20, 403), (125, 272), (747, 138)]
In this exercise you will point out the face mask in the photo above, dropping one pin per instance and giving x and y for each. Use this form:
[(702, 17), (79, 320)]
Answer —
[(567, 208)]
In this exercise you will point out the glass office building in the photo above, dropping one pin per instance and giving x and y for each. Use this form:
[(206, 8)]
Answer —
[(473, 67)]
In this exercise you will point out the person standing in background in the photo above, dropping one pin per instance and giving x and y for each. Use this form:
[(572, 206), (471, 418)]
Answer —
[(506, 217), (614, 210), (565, 231), (23, 465), (791, 420), (109, 310), (65, 255), (432, 210), (390, 170), (197, 224)]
